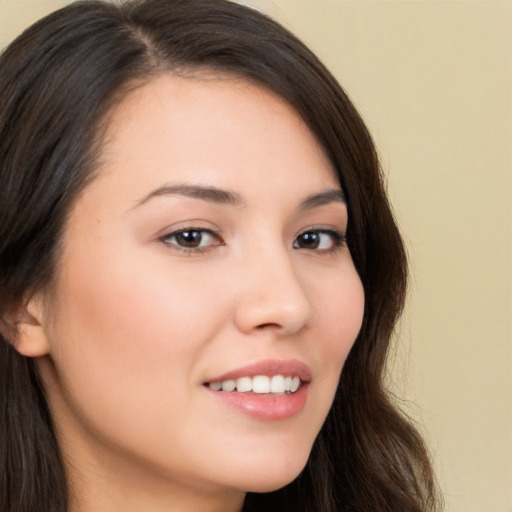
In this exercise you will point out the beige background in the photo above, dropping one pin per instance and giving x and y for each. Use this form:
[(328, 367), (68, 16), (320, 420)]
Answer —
[(433, 79)]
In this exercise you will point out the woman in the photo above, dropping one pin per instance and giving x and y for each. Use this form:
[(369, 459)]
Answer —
[(195, 244)]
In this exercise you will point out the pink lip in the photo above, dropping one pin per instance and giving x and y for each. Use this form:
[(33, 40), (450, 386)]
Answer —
[(266, 407), (269, 367)]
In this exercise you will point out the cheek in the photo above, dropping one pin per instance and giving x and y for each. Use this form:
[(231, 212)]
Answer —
[(340, 309), (346, 312), (138, 303), (130, 331)]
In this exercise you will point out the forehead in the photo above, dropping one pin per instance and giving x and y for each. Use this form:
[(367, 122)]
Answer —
[(211, 129)]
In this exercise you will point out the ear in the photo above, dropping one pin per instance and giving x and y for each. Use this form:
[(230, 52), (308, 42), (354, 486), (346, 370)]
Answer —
[(24, 327)]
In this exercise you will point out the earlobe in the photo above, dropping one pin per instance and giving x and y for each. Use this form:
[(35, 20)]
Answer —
[(24, 327)]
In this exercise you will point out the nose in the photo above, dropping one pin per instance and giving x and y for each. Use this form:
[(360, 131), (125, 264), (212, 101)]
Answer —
[(271, 296)]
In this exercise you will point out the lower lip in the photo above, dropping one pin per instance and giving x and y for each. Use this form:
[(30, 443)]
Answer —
[(265, 407)]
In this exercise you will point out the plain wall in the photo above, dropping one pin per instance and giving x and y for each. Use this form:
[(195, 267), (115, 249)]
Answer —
[(433, 79)]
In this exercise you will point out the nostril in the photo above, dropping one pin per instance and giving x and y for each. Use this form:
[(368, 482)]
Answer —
[(268, 326)]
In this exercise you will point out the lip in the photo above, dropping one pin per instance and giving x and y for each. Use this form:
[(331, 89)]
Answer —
[(269, 367), (265, 407)]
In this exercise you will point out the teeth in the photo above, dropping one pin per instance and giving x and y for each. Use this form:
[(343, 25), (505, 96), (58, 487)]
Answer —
[(260, 384), (216, 386), (228, 385), (244, 384), (277, 384)]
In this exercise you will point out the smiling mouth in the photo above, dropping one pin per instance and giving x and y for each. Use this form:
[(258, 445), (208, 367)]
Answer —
[(259, 384)]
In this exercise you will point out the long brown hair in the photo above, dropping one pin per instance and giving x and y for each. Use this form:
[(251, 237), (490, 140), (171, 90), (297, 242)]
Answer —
[(57, 82)]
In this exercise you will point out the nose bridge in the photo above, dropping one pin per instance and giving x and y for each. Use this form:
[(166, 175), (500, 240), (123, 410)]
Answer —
[(271, 294)]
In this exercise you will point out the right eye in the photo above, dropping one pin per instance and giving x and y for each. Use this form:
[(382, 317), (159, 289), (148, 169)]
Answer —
[(192, 239)]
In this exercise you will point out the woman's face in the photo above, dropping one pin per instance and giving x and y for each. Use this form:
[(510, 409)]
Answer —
[(209, 249)]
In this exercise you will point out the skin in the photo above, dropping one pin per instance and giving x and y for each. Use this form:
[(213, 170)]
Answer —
[(135, 325)]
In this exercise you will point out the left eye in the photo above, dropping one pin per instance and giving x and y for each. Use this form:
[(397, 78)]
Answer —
[(319, 240), (191, 238)]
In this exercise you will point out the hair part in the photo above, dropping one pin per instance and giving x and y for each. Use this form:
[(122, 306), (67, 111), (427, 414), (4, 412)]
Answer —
[(58, 82)]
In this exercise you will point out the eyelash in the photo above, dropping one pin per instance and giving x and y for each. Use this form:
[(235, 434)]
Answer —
[(338, 239)]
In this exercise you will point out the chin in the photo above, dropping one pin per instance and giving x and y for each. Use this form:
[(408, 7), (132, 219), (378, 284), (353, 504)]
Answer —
[(269, 485), (274, 475)]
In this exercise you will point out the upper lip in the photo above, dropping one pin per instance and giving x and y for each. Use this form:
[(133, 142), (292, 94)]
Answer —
[(270, 367)]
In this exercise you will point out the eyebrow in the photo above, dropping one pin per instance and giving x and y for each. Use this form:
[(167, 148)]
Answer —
[(328, 196), (231, 198), (205, 193)]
